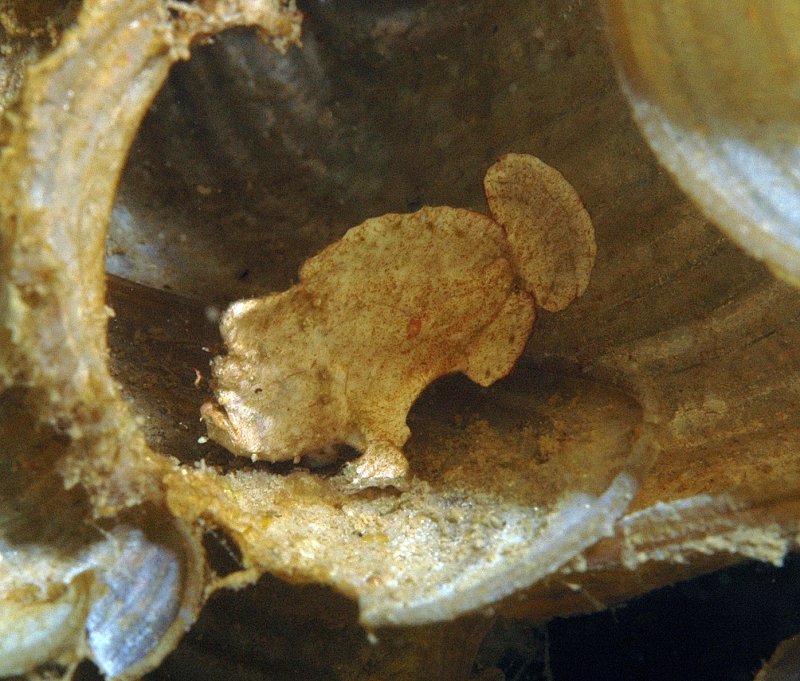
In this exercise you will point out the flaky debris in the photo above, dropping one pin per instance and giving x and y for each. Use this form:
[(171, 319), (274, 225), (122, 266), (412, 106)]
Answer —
[(549, 230), (399, 301)]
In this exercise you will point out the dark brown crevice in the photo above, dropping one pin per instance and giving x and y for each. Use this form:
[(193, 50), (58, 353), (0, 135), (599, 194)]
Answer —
[(35, 509)]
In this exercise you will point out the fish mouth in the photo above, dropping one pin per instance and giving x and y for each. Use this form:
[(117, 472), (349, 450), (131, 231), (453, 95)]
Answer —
[(236, 434), (220, 428)]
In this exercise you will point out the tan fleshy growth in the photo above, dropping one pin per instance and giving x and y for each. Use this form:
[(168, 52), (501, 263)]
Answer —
[(398, 302), (548, 228)]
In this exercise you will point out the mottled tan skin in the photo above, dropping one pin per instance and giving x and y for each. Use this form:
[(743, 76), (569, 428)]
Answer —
[(399, 301)]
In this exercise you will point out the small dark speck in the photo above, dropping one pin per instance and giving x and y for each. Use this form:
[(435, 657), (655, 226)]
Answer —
[(258, 391), (414, 204), (244, 275)]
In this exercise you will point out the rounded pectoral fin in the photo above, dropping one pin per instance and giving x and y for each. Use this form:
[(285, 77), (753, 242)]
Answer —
[(381, 465)]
